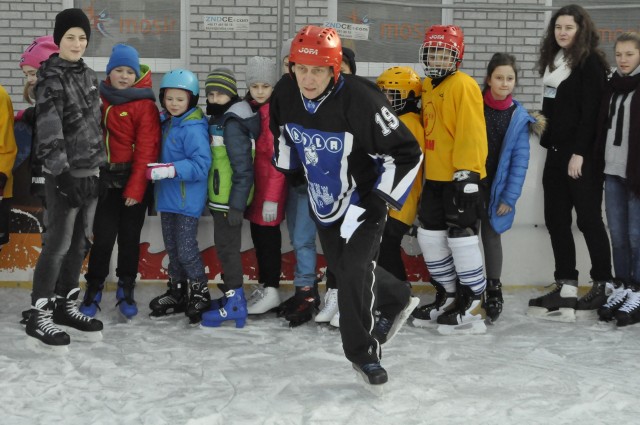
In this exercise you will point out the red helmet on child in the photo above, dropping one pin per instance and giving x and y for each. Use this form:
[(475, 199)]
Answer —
[(317, 46), (442, 50)]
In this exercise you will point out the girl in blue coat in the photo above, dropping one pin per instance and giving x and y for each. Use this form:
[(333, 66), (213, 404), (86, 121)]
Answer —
[(181, 191), (509, 127)]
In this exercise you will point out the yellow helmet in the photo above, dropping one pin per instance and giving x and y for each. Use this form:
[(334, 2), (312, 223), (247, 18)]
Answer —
[(399, 83)]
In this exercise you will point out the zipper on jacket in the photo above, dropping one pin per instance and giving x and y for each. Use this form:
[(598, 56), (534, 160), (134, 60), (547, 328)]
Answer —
[(106, 133)]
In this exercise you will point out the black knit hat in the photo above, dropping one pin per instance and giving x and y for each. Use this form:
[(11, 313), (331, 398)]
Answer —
[(70, 18), (349, 56), (223, 81)]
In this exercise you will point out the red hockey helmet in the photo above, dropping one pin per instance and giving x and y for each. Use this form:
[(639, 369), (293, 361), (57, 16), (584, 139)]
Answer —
[(442, 50), (317, 46)]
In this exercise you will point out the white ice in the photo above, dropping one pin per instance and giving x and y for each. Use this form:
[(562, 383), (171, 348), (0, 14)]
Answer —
[(522, 371)]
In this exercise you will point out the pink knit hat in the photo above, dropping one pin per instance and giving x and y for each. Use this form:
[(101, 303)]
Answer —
[(38, 51)]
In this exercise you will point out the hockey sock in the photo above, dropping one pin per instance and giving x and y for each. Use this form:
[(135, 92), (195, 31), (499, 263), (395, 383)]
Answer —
[(437, 256), (468, 262)]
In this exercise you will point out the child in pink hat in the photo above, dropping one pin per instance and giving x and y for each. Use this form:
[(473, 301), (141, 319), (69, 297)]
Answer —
[(37, 52)]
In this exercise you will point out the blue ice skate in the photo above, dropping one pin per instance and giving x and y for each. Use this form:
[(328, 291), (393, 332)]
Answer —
[(92, 298), (235, 308), (126, 304)]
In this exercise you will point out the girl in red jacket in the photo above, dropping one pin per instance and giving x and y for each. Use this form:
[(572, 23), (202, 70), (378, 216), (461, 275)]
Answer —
[(131, 128), (266, 212)]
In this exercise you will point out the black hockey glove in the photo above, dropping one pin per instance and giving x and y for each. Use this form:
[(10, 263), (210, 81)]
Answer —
[(374, 207), (467, 190), (235, 217), (69, 189)]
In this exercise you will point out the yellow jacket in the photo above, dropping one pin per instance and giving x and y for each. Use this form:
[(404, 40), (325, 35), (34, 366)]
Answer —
[(8, 149), (410, 208), (454, 127)]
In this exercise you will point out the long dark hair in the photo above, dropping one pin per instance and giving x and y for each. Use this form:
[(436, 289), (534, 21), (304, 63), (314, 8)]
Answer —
[(585, 42), (500, 59)]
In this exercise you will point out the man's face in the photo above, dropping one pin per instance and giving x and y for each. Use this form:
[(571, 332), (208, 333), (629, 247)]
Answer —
[(312, 80)]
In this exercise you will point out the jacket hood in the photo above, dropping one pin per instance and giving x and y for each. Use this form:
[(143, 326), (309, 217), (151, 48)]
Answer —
[(539, 125), (192, 117), (242, 111)]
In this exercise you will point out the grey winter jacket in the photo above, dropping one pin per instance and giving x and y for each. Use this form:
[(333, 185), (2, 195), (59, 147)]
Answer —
[(69, 137)]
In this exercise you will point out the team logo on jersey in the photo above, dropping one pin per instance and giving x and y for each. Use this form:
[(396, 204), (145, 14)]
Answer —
[(310, 155), (429, 118)]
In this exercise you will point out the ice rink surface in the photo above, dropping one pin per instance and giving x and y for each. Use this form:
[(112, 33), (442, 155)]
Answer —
[(522, 371)]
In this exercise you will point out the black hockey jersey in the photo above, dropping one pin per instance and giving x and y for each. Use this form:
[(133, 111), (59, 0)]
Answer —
[(350, 143)]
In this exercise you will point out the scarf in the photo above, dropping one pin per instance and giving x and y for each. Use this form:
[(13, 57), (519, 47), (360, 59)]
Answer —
[(623, 86), (561, 71), (498, 105), (119, 96)]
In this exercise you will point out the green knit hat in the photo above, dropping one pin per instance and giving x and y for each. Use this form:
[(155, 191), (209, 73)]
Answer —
[(223, 81)]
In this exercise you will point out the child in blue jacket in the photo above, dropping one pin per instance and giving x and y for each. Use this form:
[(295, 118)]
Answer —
[(508, 130), (181, 191)]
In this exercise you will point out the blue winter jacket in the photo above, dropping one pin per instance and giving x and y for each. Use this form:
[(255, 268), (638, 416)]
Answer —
[(512, 169), (185, 143)]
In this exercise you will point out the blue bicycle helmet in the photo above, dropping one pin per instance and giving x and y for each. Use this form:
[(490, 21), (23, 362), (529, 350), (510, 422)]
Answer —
[(181, 79)]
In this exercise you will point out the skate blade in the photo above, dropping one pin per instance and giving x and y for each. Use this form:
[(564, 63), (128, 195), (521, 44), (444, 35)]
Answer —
[(376, 390), (565, 315), (402, 318), (82, 336), (424, 323), (586, 314), (476, 327), (169, 316), (40, 347)]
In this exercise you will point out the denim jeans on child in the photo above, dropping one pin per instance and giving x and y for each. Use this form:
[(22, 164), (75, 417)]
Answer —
[(69, 235), (623, 217), (302, 232)]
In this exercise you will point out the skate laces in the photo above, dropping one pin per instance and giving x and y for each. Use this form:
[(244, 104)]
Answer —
[(45, 323), (383, 325), (595, 290), (331, 300), (617, 296), (256, 296), (72, 310), (632, 302), (370, 367), (90, 297)]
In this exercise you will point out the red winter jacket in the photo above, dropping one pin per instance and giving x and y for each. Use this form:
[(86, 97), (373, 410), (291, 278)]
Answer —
[(131, 128), (269, 183)]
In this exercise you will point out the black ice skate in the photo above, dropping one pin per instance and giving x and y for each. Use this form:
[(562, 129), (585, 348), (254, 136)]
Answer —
[(558, 305), (587, 306), (385, 329), (372, 373), (172, 302), (305, 302), (67, 315), (199, 300), (427, 314), (492, 299), (629, 313), (464, 316), (616, 300), (41, 329)]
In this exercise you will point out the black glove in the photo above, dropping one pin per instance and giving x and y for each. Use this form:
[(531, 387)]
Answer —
[(69, 189), (467, 190), (235, 217), (374, 207)]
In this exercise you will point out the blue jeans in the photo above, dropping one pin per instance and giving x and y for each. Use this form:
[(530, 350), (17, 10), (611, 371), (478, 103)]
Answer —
[(623, 217), (69, 234), (302, 232)]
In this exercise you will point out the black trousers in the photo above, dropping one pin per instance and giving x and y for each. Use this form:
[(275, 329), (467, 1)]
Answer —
[(115, 221), (352, 264), (390, 251), (267, 241), (561, 195)]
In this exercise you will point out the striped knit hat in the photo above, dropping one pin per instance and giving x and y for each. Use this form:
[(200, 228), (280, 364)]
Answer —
[(223, 81)]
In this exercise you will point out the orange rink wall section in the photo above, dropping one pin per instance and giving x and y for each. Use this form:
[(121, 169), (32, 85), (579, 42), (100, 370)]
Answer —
[(19, 256)]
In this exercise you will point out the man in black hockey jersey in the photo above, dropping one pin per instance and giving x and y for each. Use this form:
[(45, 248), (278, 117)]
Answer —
[(358, 159)]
